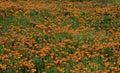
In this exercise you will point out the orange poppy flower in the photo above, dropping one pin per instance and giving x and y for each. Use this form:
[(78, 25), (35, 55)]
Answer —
[(118, 61), (42, 55), (107, 64), (84, 46), (56, 62), (60, 69)]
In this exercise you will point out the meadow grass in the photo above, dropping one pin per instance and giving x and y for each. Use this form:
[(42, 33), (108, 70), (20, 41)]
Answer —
[(59, 37)]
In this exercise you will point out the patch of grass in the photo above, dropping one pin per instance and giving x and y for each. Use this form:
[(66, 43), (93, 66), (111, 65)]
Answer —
[(42, 16), (11, 70), (114, 1), (52, 69), (62, 36), (39, 65), (108, 51)]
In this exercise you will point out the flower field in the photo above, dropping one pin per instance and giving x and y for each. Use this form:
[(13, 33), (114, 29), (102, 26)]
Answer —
[(59, 36)]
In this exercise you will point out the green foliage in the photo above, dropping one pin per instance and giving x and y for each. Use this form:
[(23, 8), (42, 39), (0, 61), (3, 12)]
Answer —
[(39, 65), (11, 70), (114, 1)]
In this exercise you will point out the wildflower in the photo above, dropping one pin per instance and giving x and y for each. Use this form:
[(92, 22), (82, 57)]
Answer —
[(60, 69), (118, 62), (107, 64), (52, 55), (84, 46), (42, 55), (2, 66), (105, 71), (56, 61), (47, 66), (85, 69), (33, 70), (2, 43)]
